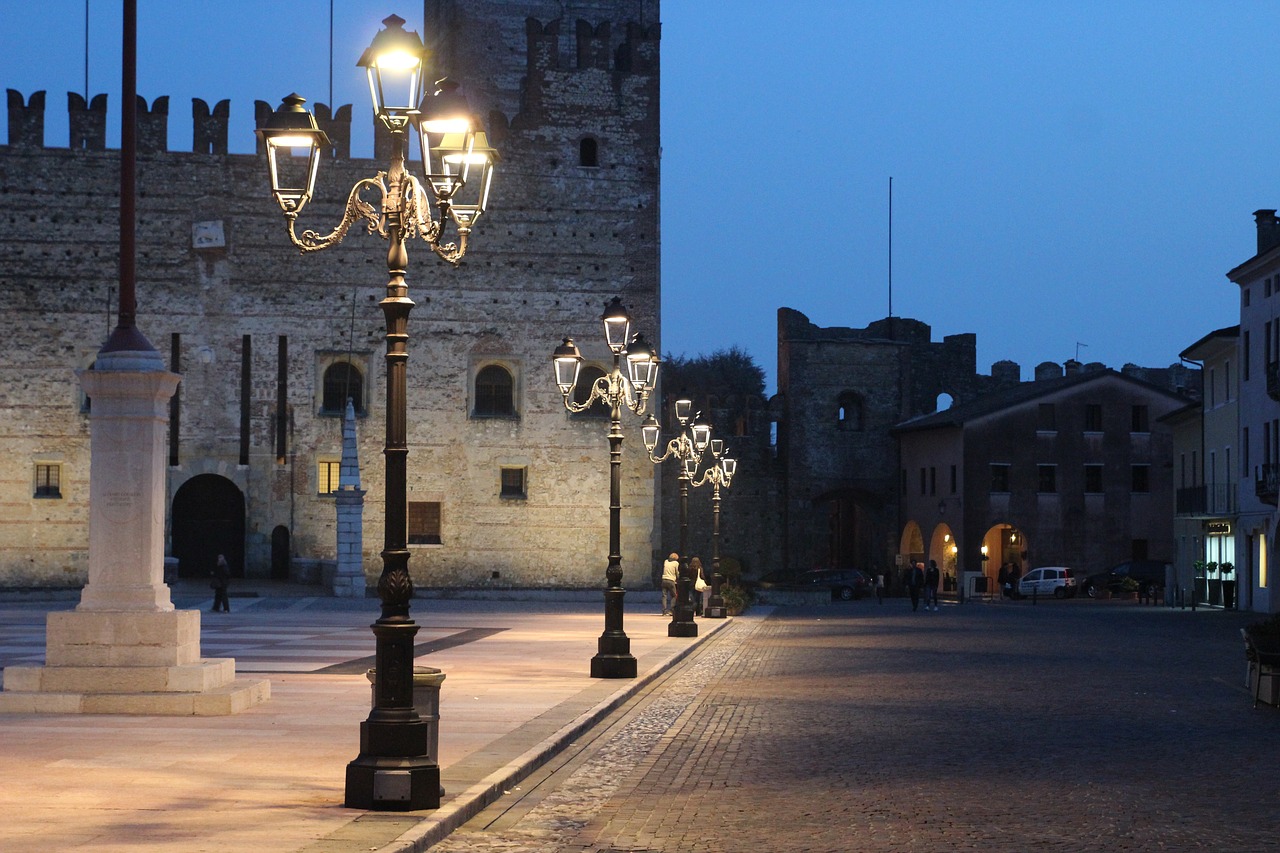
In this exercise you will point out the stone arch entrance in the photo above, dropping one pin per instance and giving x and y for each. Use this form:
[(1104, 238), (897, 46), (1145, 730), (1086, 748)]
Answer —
[(208, 520)]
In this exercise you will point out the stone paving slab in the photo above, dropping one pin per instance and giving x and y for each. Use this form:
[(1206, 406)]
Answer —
[(271, 778)]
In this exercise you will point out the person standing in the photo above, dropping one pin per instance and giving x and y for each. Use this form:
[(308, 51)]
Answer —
[(880, 588), (670, 571), (932, 578), (221, 580), (700, 586), (915, 581)]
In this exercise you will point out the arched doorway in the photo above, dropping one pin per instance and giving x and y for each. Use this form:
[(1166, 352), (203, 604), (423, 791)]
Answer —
[(208, 520), (1004, 545), (944, 551), (280, 553)]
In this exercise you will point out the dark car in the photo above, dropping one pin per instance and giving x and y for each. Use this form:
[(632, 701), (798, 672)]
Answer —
[(1149, 574), (845, 584)]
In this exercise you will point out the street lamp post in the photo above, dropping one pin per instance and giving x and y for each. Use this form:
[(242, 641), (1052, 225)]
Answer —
[(717, 475), (688, 447), (613, 657), (394, 770)]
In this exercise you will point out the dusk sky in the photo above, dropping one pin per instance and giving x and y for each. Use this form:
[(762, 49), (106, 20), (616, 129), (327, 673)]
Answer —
[(1067, 177)]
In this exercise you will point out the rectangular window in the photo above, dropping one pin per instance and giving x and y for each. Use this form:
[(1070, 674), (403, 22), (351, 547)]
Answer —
[(1047, 420), (1213, 388), (923, 482), (999, 477), (1141, 478), (933, 481), (1140, 420), (513, 483), (1047, 479), (1226, 381), (1244, 451), (327, 473), (1093, 479), (1093, 417), (1244, 297), (48, 481), (1244, 356), (424, 522), (954, 482)]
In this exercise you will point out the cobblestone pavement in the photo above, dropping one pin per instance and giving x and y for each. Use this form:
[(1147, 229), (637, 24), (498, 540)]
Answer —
[(1063, 726)]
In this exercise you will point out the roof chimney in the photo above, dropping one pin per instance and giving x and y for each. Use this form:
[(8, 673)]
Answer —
[(1268, 230)]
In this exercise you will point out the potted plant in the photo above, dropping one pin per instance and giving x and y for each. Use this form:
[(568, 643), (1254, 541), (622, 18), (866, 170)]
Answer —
[(1262, 641), (1128, 589)]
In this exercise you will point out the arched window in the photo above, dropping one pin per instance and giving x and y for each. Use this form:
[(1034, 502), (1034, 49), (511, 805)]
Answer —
[(342, 379), (495, 393), (588, 152), (586, 379), (943, 402), (849, 412)]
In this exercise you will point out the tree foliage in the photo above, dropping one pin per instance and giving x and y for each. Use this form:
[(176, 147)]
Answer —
[(724, 372)]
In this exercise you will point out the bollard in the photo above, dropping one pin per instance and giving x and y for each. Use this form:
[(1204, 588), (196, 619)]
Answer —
[(426, 701)]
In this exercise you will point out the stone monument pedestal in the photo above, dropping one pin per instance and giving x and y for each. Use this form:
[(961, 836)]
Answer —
[(125, 649)]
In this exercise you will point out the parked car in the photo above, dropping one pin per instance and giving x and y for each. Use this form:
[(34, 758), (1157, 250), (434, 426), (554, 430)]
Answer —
[(1149, 574), (1058, 581), (846, 584)]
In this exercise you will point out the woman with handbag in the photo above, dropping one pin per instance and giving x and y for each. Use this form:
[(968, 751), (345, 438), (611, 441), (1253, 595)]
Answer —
[(700, 587)]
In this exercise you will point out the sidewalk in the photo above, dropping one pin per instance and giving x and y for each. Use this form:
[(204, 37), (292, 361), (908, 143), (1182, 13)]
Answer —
[(270, 780)]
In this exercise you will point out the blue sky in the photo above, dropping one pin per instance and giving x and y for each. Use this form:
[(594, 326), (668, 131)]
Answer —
[(1066, 177)]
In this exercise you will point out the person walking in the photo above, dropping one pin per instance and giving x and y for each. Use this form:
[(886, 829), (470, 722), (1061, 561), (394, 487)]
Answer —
[(701, 588), (880, 588), (221, 580), (670, 571), (932, 577), (915, 581)]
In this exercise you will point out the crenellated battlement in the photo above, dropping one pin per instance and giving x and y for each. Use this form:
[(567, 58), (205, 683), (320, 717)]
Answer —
[(88, 123)]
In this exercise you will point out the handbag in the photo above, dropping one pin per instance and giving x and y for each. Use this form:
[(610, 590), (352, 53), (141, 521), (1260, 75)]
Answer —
[(699, 584)]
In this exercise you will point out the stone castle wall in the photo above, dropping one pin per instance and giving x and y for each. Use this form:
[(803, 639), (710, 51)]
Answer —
[(247, 321)]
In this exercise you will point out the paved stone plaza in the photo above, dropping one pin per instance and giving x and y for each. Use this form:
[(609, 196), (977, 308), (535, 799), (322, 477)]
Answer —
[(1072, 725), (1011, 727)]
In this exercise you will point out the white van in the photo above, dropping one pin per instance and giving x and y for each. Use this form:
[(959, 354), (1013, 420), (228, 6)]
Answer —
[(1056, 581)]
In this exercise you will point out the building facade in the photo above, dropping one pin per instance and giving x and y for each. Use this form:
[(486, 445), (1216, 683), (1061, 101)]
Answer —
[(1071, 469), (1258, 280), (506, 488), (1206, 441)]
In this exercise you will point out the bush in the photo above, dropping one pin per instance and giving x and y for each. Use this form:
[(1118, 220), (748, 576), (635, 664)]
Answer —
[(1128, 585), (736, 599)]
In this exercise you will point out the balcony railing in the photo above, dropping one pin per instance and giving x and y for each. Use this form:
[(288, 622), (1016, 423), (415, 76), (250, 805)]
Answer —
[(1207, 500), (1266, 483)]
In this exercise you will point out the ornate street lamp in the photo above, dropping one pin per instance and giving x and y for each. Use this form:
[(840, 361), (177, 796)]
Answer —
[(717, 475), (688, 447), (613, 657), (394, 770)]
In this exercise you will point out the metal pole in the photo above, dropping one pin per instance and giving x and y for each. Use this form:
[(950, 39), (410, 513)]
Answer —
[(394, 770), (613, 657), (682, 624), (715, 604)]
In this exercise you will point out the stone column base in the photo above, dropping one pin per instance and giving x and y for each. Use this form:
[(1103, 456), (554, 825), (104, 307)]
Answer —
[(128, 662)]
